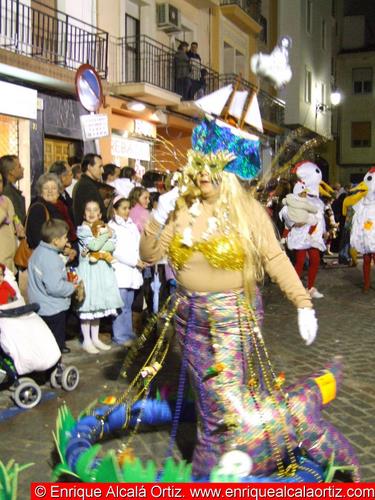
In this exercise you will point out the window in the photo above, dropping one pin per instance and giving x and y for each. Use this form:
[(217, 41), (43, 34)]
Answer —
[(362, 80), (323, 93), (323, 35), (308, 85), (361, 134), (263, 34), (309, 16)]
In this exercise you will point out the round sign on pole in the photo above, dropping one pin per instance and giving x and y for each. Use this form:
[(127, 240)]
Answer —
[(89, 88)]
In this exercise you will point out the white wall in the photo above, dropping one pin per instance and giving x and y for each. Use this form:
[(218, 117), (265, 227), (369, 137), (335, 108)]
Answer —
[(85, 10), (197, 21), (239, 41), (307, 53)]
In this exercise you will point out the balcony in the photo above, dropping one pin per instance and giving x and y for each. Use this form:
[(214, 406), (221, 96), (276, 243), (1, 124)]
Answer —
[(243, 13), (143, 68), (40, 34)]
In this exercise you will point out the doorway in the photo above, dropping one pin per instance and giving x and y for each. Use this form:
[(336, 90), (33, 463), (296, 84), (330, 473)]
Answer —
[(58, 149)]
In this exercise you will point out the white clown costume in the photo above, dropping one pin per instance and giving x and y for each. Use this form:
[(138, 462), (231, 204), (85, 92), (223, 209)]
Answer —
[(363, 229)]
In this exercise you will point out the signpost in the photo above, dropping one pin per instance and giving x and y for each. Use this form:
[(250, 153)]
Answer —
[(90, 94)]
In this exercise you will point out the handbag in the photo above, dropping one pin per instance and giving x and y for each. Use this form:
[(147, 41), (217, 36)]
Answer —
[(24, 252)]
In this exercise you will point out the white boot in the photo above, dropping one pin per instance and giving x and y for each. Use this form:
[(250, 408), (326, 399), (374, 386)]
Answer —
[(87, 344), (95, 336), (90, 348), (314, 294), (101, 345)]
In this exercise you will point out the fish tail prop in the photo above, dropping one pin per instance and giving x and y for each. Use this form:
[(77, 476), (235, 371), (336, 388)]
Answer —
[(320, 438)]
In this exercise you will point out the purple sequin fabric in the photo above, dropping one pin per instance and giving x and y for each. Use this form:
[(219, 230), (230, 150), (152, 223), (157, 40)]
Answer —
[(266, 425)]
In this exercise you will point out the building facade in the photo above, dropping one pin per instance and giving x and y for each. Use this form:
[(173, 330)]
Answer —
[(308, 24), (131, 44), (355, 75)]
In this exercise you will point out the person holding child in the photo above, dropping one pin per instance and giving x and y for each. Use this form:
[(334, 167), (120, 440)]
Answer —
[(127, 268), (103, 298), (48, 283)]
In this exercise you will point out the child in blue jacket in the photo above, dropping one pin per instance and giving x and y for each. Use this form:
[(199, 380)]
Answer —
[(48, 285)]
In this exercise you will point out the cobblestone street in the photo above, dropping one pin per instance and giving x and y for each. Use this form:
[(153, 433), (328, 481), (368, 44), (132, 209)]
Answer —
[(346, 318)]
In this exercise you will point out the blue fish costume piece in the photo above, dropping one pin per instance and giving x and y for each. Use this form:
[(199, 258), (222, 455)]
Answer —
[(210, 137)]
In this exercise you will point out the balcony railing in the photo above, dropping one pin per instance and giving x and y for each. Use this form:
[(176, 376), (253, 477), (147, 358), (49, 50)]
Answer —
[(52, 36), (271, 108), (251, 7), (140, 59), (144, 60)]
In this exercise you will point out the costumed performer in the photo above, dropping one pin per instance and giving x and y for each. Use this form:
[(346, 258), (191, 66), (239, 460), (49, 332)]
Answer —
[(362, 236), (220, 241), (308, 238)]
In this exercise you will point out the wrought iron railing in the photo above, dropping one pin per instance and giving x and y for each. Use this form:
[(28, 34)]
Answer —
[(144, 60), (251, 7), (52, 36), (140, 59), (271, 108)]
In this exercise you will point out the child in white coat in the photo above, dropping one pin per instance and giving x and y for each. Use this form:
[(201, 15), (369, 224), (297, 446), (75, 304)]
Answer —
[(127, 268)]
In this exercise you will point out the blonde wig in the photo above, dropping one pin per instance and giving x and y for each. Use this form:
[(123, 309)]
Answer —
[(238, 209)]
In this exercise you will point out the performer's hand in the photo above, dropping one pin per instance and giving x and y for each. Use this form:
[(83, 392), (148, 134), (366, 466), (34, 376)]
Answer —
[(307, 325), (166, 204)]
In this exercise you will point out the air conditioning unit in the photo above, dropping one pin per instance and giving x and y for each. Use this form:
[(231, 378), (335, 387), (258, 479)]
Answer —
[(168, 17)]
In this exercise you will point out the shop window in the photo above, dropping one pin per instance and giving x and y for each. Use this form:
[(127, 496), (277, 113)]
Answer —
[(361, 134), (9, 136), (362, 80)]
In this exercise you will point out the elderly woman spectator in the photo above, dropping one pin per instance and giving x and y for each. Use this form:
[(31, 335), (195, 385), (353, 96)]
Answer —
[(9, 229), (47, 205)]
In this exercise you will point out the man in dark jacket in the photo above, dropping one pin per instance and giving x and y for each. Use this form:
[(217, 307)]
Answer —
[(12, 172), (182, 71), (196, 70), (87, 188)]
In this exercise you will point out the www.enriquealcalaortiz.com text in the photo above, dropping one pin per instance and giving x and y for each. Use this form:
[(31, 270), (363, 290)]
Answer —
[(208, 491)]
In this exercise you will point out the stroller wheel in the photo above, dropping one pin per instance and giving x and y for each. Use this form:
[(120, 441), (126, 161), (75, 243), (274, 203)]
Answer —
[(70, 378), (27, 394), (19, 381), (55, 378)]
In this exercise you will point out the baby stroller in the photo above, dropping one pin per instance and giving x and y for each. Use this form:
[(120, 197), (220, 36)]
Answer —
[(27, 345)]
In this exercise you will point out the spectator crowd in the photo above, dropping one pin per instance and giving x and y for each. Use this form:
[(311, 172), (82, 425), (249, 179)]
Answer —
[(77, 245)]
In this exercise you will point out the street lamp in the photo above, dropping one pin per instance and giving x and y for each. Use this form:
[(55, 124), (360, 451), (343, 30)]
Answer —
[(335, 97), (335, 101)]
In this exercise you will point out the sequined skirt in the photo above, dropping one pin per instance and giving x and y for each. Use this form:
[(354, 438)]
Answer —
[(219, 330)]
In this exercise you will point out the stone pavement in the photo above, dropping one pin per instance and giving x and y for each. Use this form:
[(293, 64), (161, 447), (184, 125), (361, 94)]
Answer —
[(346, 326)]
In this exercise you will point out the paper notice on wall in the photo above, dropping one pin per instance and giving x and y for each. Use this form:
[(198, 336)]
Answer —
[(128, 148), (94, 126)]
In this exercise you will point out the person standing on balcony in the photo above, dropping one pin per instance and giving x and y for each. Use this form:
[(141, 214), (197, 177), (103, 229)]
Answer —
[(196, 70), (183, 71), (12, 172)]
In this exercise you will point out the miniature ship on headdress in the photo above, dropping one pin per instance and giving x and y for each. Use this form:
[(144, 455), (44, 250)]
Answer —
[(227, 112)]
